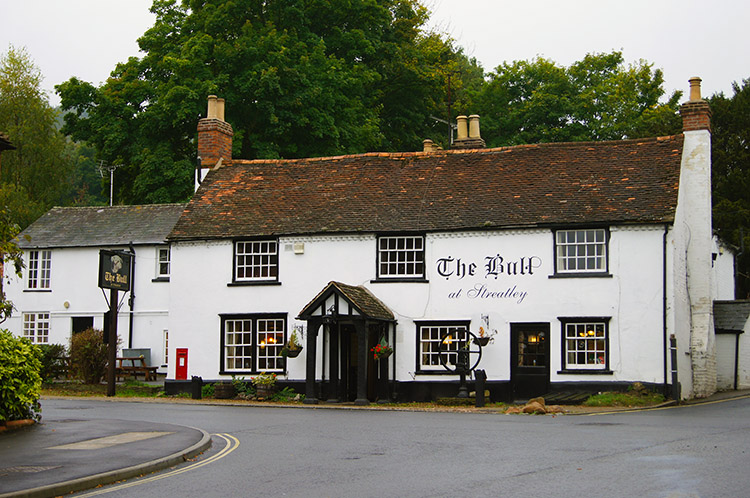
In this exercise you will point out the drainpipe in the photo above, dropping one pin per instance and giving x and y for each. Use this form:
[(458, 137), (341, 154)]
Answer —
[(673, 352), (664, 309), (131, 299), (736, 359)]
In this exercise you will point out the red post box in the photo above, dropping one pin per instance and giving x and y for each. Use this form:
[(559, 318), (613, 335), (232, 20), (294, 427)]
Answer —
[(181, 368)]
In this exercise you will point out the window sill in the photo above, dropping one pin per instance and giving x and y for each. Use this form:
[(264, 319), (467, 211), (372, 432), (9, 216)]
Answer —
[(160, 279), (582, 275), (400, 280), (434, 372), (259, 282), (251, 372), (37, 290), (582, 371)]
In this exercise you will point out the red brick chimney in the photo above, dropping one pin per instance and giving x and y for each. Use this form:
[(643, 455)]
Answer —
[(214, 137), (696, 113)]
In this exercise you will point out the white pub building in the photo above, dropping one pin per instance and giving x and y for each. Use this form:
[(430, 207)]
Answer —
[(581, 261)]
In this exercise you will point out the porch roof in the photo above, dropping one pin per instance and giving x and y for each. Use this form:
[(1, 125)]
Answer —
[(359, 298), (731, 316)]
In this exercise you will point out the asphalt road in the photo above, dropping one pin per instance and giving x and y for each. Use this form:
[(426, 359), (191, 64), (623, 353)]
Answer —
[(687, 451)]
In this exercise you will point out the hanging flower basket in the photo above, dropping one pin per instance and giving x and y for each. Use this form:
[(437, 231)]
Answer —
[(292, 348), (483, 341), (381, 350), (291, 353)]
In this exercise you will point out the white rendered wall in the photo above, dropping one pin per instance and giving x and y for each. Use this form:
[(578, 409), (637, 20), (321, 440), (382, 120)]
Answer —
[(632, 296), (74, 292), (723, 272), (691, 273), (743, 375)]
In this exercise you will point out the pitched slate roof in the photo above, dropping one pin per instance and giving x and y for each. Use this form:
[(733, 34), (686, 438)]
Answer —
[(101, 226), (627, 181), (359, 297), (731, 316)]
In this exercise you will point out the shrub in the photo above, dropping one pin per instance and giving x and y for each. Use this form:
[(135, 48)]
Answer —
[(20, 382), (207, 391), (287, 394), (88, 356), (53, 363), (241, 386)]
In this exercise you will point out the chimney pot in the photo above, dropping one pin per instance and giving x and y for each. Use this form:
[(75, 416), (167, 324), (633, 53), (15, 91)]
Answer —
[(695, 89), (212, 105), (220, 109), (474, 126), (462, 128), (429, 145)]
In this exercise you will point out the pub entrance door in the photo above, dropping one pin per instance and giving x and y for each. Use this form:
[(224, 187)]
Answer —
[(529, 367)]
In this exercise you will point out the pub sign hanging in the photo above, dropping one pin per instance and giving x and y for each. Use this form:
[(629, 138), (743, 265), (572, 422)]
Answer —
[(114, 270)]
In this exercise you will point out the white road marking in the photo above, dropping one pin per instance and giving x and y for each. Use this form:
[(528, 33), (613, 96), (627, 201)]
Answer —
[(106, 442)]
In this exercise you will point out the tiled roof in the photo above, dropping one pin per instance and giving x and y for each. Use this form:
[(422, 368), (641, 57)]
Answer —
[(101, 226), (627, 181), (731, 316), (360, 297)]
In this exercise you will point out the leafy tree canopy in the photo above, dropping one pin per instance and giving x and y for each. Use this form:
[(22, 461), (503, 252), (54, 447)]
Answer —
[(596, 98), (730, 151), (301, 77), (37, 174)]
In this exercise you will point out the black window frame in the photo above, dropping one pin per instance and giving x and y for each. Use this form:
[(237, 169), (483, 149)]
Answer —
[(380, 277), (558, 273), (575, 369), (271, 280), (254, 317), (454, 324)]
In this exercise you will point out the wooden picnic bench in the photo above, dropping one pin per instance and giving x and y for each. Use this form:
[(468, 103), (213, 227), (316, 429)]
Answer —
[(132, 366)]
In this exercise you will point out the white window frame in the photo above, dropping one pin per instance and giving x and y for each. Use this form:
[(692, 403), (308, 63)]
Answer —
[(39, 269), (429, 335), (252, 343), (36, 327), (163, 261), (581, 251), (165, 362), (256, 260), (585, 343), (401, 257)]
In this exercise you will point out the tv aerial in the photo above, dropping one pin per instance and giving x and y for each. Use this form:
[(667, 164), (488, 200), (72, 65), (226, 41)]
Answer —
[(103, 167)]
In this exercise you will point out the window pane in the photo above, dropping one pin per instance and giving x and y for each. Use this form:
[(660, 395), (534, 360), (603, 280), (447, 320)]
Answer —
[(256, 260), (581, 250), (586, 345), (401, 257)]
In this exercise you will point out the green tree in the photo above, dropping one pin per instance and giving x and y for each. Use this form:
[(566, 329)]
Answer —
[(596, 98), (20, 382), (12, 256), (730, 157), (301, 77), (39, 168)]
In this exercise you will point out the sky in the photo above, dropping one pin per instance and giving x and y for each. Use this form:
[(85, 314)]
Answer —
[(684, 38)]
